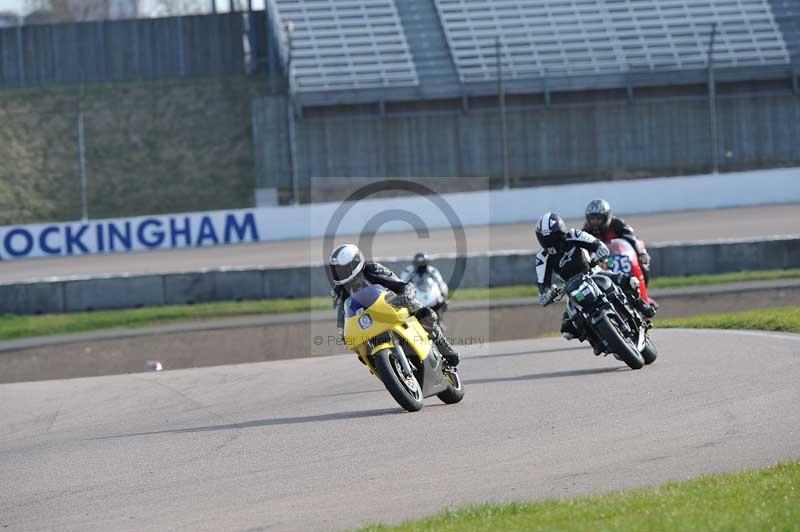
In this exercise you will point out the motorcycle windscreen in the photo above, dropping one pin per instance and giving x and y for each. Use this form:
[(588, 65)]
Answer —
[(362, 299), (623, 258), (428, 292), (618, 246), (574, 283), (582, 290)]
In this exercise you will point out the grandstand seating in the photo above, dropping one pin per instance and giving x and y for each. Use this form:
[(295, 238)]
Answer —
[(579, 37), (349, 51), (344, 44), (437, 73), (787, 13)]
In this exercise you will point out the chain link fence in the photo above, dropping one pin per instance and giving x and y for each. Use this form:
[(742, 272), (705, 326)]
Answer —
[(532, 140)]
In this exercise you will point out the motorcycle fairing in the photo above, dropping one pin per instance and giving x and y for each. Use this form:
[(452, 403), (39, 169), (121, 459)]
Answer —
[(373, 301)]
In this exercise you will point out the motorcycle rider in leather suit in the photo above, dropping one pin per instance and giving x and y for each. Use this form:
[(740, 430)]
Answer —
[(419, 270), (563, 254), (601, 223), (350, 272)]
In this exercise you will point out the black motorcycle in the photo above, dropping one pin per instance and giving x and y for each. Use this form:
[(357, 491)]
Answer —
[(600, 309)]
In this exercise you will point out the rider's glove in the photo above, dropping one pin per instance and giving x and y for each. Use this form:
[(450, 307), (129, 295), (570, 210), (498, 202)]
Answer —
[(410, 291), (407, 299), (334, 297), (644, 260), (546, 298), (602, 252)]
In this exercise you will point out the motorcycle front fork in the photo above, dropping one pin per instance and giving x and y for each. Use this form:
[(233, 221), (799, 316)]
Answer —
[(621, 306)]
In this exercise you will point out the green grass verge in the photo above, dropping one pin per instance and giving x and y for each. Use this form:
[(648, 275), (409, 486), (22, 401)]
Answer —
[(760, 500), (16, 327), (783, 319), (722, 278)]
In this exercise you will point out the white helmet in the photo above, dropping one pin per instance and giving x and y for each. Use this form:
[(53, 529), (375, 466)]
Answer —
[(345, 263)]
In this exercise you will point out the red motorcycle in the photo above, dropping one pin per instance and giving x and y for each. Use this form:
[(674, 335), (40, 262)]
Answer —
[(624, 259)]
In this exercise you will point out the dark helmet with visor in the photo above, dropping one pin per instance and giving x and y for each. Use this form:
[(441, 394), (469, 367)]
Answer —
[(421, 261), (551, 232), (598, 214)]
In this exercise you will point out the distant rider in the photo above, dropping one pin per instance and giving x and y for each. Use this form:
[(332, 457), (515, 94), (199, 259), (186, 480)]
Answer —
[(562, 255), (350, 272), (601, 223), (419, 270)]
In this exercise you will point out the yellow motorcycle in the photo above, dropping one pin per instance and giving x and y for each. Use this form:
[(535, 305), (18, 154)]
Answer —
[(397, 350)]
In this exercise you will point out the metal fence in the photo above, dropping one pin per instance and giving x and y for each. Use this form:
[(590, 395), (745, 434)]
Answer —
[(125, 50), (549, 138)]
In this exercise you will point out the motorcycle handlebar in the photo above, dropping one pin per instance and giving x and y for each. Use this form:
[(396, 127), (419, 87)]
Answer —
[(558, 292)]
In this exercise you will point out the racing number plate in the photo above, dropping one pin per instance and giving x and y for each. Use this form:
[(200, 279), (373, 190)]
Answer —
[(365, 321), (621, 264)]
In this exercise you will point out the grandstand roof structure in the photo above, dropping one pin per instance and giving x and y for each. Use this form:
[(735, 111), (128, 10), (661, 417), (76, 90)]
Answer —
[(351, 51)]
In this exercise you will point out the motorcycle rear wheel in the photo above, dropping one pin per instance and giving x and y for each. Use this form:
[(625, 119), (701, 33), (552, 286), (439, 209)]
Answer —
[(455, 391), (406, 391), (649, 351), (617, 344)]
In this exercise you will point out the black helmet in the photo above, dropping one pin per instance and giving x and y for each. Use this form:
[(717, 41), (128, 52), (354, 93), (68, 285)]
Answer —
[(598, 214), (551, 232), (421, 261), (346, 263)]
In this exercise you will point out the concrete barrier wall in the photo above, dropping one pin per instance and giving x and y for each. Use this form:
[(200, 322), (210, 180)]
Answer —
[(725, 256), (498, 269), (376, 214), (520, 205)]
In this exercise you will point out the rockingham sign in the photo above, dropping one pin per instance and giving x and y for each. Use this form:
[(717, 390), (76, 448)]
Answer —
[(129, 234)]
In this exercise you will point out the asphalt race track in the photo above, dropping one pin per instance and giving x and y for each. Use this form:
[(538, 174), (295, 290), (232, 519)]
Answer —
[(683, 226), (316, 443)]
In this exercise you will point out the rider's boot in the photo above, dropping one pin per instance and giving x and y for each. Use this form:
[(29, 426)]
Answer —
[(646, 309), (451, 357), (632, 290), (595, 347), (568, 329)]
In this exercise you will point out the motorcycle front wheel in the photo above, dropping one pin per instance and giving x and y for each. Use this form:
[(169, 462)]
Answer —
[(617, 344), (405, 390)]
